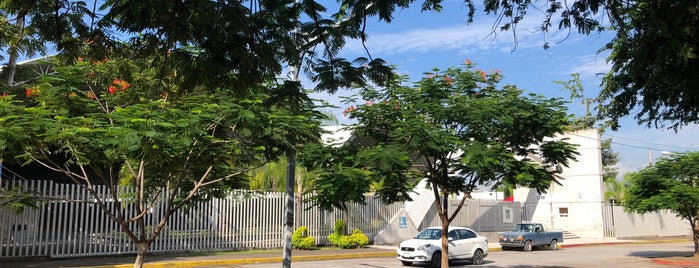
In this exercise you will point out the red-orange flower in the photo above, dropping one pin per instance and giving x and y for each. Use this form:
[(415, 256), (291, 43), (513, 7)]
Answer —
[(31, 91), (448, 80), (482, 74), (348, 110), (90, 95), (118, 85)]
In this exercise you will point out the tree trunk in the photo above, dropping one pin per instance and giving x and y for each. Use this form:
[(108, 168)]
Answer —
[(695, 235), (443, 211), (142, 248), (13, 52), (445, 244)]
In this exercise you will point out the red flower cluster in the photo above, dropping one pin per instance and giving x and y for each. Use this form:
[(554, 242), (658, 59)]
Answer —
[(348, 110), (31, 91), (118, 85), (448, 80)]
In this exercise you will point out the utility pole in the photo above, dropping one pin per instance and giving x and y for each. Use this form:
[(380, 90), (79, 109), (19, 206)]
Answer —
[(294, 69), (289, 211)]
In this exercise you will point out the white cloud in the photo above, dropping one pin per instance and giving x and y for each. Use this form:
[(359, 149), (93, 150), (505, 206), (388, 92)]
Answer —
[(590, 66), (463, 38)]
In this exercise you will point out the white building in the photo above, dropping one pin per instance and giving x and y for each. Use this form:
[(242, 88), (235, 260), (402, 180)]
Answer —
[(576, 205)]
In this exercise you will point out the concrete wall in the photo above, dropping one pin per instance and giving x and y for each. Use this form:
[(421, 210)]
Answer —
[(395, 232), (649, 225)]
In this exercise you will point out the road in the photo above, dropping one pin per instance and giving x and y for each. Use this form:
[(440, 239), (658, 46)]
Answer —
[(623, 255)]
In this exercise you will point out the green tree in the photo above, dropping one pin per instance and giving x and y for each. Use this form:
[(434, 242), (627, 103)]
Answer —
[(654, 65), (272, 177), (456, 129), (669, 184), (609, 160), (615, 189), (29, 27), (127, 122)]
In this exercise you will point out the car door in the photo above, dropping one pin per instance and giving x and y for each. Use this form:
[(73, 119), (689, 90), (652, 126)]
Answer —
[(455, 244), (539, 235), (463, 243), (469, 242)]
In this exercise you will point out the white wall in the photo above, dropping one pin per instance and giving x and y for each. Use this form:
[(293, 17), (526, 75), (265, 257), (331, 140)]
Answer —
[(653, 224)]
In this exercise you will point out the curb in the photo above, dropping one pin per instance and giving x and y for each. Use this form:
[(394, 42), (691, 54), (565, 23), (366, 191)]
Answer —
[(675, 262), (250, 260)]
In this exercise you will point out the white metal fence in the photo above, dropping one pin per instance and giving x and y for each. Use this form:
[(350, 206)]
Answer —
[(72, 225)]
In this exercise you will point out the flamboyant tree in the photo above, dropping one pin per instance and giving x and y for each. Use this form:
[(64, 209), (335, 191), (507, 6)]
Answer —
[(669, 184), (455, 128), (125, 121)]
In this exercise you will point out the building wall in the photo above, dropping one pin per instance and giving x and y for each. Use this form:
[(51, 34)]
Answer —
[(580, 193)]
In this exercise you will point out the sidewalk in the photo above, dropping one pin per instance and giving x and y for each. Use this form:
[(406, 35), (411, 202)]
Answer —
[(273, 256)]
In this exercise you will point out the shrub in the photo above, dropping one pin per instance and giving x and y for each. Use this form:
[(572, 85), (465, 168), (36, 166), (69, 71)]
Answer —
[(356, 240), (301, 240), (339, 227)]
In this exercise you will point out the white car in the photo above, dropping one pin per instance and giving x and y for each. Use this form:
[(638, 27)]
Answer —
[(426, 246)]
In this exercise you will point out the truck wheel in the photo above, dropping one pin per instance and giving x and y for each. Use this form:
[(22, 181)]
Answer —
[(406, 263), (553, 245), (477, 257), (528, 246), (436, 261)]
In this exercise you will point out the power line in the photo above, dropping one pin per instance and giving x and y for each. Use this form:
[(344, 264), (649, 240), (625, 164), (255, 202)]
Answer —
[(647, 142), (636, 146)]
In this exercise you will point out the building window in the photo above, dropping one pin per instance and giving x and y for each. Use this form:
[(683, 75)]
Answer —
[(563, 212)]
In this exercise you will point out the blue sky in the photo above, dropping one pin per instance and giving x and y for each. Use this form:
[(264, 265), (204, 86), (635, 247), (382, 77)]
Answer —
[(418, 41)]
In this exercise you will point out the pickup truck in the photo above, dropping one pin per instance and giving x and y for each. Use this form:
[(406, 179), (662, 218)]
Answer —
[(529, 235)]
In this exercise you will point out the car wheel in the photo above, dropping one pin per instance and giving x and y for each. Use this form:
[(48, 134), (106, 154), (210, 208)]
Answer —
[(436, 260), (406, 263), (477, 257), (528, 246), (553, 245)]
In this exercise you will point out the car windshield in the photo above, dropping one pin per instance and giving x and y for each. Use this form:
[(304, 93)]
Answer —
[(524, 228), (430, 234)]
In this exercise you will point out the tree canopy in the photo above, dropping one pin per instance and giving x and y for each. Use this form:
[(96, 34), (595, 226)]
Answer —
[(655, 63), (457, 129), (653, 53), (669, 184), (127, 121)]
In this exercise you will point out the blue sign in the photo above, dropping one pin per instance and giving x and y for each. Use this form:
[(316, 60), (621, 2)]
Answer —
[(402, 222)]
